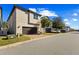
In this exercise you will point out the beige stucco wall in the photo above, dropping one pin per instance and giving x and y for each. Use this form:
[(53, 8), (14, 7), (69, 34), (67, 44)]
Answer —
[(18, 19), (0, 10), (0, 13), (22, 20), (12, 23)]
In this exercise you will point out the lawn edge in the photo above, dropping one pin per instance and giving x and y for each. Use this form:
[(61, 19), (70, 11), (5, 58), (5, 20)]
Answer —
[(22, 42)]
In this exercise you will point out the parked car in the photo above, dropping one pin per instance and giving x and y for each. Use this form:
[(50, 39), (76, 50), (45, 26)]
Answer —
[(55, 30), (63, 31), (58, 30), (48, 30)]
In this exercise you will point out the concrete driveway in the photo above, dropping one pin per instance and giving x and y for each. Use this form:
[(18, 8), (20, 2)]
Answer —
[(61, 44)]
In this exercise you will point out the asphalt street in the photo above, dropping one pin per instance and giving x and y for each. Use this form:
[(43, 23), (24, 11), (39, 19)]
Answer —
[(61, 44)]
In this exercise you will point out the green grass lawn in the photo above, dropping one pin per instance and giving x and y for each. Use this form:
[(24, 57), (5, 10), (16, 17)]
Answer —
[(4, 41)]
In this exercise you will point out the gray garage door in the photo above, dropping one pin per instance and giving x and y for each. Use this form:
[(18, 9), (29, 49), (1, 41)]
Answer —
[(29, 30)]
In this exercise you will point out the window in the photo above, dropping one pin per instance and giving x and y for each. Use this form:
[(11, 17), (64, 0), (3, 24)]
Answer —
[(35, 16)]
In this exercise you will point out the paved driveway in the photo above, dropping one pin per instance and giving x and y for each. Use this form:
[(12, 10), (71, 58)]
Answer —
[(60, 44)]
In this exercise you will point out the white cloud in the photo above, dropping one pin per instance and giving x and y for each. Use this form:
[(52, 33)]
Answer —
[(75, 19), (48, 13), (75, 14), (33, 9), (44, 12), (67, 23), (41, 9), (65, 20)]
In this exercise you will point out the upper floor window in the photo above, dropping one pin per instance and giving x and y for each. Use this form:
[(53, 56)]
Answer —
[(35, 16)]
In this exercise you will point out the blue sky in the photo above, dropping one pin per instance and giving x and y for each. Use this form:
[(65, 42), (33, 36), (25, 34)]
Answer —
[(68, 12)]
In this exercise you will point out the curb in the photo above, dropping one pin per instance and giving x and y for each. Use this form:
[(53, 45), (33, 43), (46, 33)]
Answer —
[(19, 43)]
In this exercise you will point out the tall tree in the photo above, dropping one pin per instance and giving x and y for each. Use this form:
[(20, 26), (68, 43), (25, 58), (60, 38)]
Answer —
[(45, 22), (58, 23)]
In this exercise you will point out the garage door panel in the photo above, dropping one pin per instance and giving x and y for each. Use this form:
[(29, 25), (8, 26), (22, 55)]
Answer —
[(29, 30)]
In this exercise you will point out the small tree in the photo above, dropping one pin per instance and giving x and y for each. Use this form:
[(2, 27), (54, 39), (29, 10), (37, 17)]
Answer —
[(58, 23), (5, 25), (45, 22)]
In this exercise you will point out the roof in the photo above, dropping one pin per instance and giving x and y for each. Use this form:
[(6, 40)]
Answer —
[(24, 9), (21, 8)]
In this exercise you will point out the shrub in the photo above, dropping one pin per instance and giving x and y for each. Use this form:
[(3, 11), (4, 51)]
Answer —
[(5, 38), (11, 36)]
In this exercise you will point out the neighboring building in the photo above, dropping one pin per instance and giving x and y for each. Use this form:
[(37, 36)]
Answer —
[(67, 28), (0, 18), (2, 30), (22, 21)]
